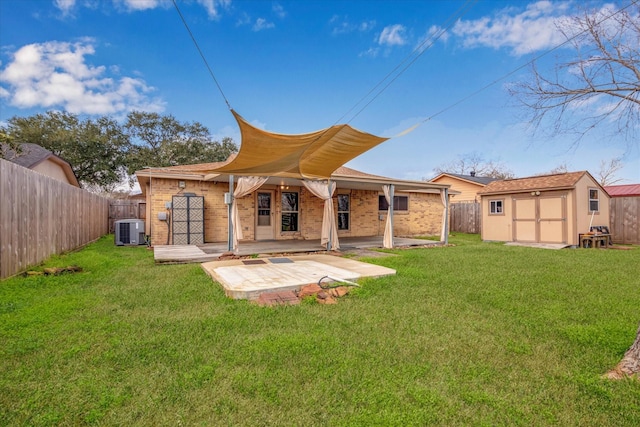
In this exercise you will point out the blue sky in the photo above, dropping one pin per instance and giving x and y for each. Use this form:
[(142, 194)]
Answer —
[(299, 66)]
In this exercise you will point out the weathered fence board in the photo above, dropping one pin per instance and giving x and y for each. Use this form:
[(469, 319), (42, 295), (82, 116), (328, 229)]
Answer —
[(125, 209), (624, 220), (465, 217), (40, 217)]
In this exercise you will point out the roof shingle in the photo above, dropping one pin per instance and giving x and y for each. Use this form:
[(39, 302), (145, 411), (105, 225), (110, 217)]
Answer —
[(542, 182), (483, 180), (29, 155)]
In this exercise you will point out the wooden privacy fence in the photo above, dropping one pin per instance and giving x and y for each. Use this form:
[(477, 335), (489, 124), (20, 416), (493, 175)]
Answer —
[(41, 216), (623, 213), (465, 217), (125, 209)]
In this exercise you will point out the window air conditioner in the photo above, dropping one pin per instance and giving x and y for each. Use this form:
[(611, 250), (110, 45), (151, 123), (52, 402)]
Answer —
[(129, 232)]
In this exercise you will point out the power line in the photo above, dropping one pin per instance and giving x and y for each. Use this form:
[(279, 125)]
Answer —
[(201, 54), (415, 54)]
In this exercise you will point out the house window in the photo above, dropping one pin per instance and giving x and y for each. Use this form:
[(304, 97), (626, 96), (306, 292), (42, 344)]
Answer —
[(289, 210), (400, 203), (594, 203), (343, 211), (496, 207)]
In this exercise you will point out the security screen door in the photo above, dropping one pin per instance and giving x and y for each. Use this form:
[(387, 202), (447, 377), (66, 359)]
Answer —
[(264, 215)]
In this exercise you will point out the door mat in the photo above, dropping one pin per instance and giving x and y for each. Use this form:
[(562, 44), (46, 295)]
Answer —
[(280, 260), (253, 261)]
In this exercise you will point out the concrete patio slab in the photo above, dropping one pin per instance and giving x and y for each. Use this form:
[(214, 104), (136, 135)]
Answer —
[(242, 281), (539, 245), (212, 251)]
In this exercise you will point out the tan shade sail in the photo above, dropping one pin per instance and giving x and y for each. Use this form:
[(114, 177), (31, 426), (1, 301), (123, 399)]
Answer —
[(311, 155)]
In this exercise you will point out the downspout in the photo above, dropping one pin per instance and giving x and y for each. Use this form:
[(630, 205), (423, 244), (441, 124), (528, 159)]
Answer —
[(230, 237)]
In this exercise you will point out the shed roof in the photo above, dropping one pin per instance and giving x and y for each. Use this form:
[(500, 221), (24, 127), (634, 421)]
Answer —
[(627, 190), (541, 182)]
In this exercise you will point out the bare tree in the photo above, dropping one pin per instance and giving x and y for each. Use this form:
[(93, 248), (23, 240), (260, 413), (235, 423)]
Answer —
[(597, 85), (475, 163), (606, 175), (561, 168)]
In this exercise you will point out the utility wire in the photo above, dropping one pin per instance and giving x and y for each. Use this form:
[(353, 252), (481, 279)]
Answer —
[(415, 54), (201, 54)]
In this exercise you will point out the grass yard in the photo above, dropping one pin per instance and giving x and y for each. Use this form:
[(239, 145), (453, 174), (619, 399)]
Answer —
[(474, 334)]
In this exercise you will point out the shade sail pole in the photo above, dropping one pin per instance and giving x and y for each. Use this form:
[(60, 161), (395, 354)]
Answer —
[(331, 231), (230, 237), (446, 223), (391, 196)]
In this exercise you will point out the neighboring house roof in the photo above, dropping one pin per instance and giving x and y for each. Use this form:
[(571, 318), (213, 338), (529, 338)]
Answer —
[(31, 155), (482, 180), (28, 156), (542, 182), (627, 190)]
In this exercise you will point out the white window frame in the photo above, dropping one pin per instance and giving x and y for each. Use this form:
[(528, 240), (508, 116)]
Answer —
[(496, 207), (595, 200)]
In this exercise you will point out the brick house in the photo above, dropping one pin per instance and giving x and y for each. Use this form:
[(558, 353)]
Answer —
[(283, 208), (284, 187)]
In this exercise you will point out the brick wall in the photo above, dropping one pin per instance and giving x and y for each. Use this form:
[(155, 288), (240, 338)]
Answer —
[(215, 211), (423, 217)]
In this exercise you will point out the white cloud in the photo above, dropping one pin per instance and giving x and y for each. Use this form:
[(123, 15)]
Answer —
[(56, 75), (279, 10), (392, 35), (213, 7), (433, 34), (262, 24), (372, 52), (525, 32), (244, 19), (342, 25), (135, 5), (65, 6), (366, 25)]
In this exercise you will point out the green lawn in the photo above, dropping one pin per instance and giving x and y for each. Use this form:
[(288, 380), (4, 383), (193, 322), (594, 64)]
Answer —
[(472, 334)]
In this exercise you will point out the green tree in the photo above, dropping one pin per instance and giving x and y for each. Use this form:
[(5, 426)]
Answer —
[(104, 153), (161, 140), (7, 144), (96, 149)]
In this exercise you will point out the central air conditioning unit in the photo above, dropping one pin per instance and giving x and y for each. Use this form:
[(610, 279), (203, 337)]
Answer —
[(129, 232)]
